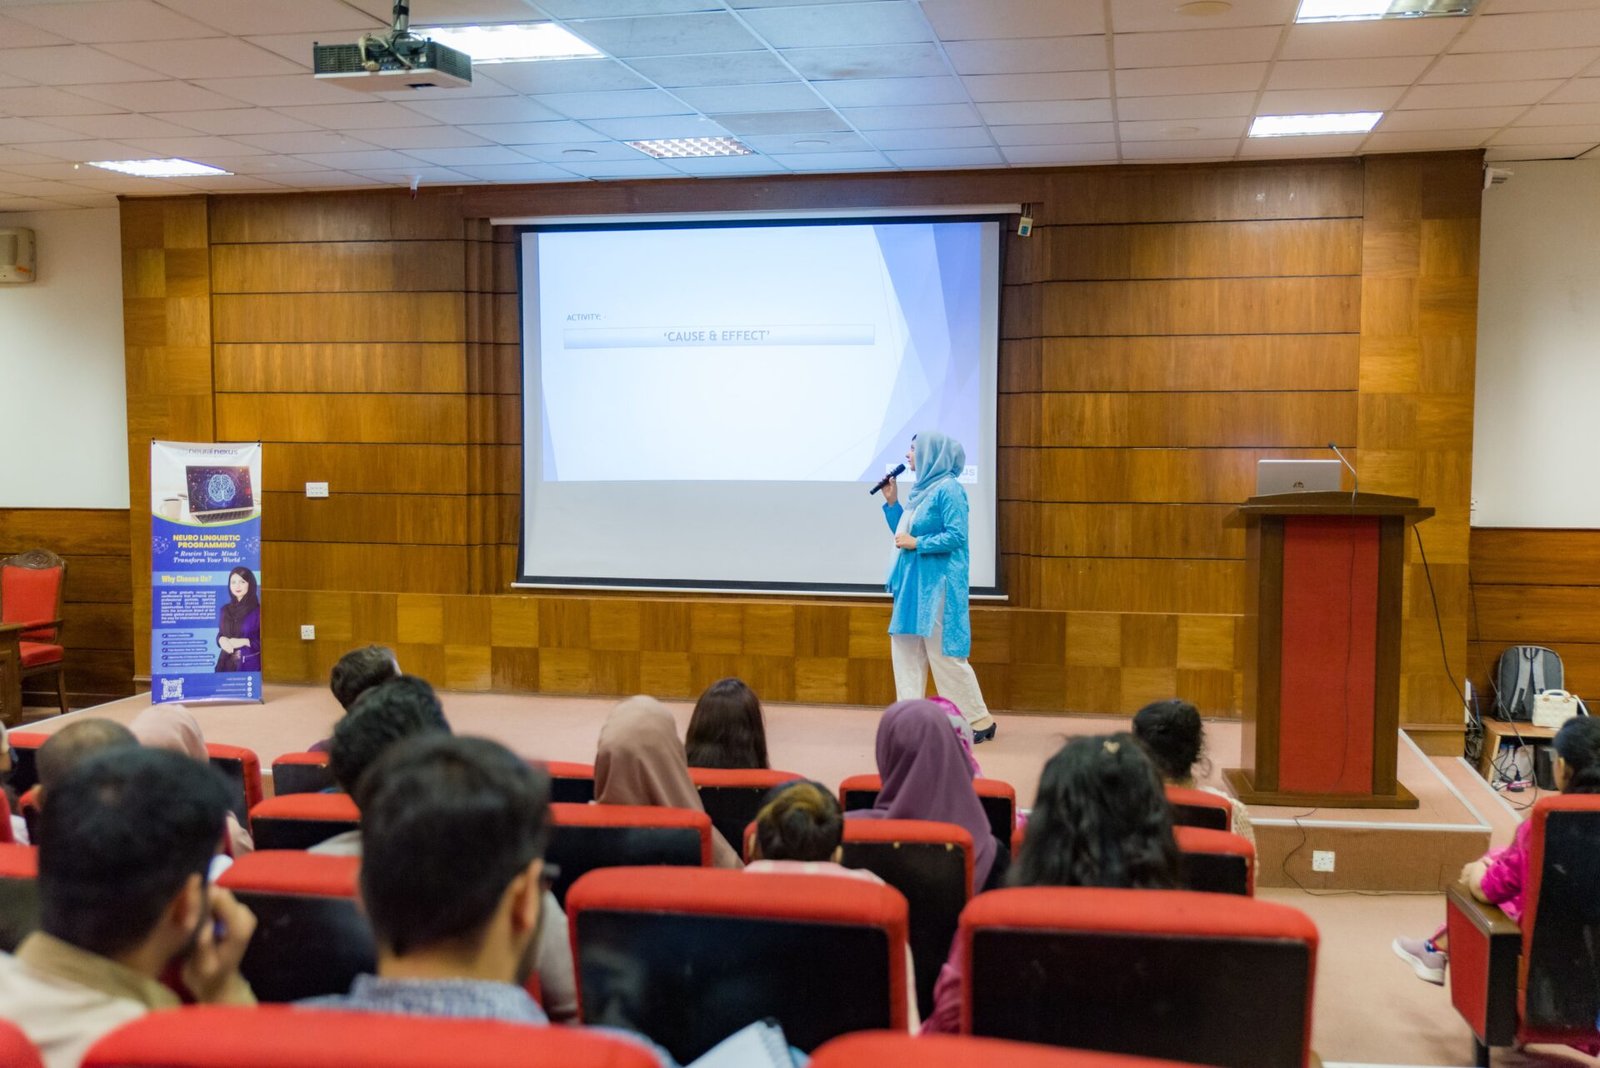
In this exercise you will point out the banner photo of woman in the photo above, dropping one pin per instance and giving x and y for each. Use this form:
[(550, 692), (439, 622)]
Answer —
[(205, 563)]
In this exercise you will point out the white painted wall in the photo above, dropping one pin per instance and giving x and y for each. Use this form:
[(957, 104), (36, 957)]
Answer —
[(63, 397), (1536, 439)]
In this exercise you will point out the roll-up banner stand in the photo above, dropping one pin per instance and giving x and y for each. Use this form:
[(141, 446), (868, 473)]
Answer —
[(205, 561)]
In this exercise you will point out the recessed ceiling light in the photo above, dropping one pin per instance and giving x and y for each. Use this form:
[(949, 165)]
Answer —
[(693, 146), (512, 42), (1296, 125), (579, 152), (811, 142), (1363, 10), (158, 168), (1204, 9)]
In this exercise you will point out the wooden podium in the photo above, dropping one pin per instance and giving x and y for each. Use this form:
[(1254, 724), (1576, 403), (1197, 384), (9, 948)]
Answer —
[(1322, 649)]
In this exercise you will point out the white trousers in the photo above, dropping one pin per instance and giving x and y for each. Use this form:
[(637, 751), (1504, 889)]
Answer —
[(913, 655)]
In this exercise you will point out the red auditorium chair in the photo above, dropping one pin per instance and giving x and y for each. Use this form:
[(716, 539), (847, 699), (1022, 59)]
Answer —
[(277, 1036), (570, 784), (1200, 808), (1539, 982), (1217, 861), (586, 837), (7, 835), (25, 771), (242, 768), (300, 821), (311, 937), (999, 800), (19, 895), (931, 865), (690, 956), (15, 1049), (882, 1049), (301, 773), (29, 804), (1213, 978), (31, 595), (732, 796)]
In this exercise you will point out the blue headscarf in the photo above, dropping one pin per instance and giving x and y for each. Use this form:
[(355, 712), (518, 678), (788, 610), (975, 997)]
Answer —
[(938, 457)]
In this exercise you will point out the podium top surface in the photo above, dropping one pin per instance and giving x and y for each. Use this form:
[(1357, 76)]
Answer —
[(1333, 503)]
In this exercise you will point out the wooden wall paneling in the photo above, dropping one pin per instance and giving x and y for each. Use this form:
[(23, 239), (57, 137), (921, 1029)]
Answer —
[(415, 418), (389, 518), (1145, 475), (99, 634), (367, 468), (1418, 326), (338, 267), (1227, 362), (339, 317), (1289, 305), (1246, 249), (1297, 190), (384, 215), (320, 367), (167, 333), (1192, 420)]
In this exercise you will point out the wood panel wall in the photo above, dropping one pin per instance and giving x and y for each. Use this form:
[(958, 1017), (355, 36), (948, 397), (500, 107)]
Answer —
[(1537, 587), (1162, 330), (98, 634)]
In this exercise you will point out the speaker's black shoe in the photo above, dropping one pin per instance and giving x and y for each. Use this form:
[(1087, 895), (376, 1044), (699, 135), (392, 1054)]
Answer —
[(979, 737)]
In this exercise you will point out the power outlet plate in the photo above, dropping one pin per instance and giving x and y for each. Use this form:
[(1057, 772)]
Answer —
[(1322, 860), (308, 632)]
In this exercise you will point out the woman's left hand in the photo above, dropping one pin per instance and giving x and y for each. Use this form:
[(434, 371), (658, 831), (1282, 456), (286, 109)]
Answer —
[(905, 541)]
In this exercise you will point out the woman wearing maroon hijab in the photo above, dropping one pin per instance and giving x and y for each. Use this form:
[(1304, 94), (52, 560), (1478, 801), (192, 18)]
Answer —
[(926, 777)]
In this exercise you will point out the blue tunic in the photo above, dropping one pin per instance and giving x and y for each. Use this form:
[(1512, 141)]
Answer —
[(937, 569)]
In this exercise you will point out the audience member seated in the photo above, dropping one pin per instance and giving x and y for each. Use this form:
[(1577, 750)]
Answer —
[(452, 879), (1100, 819), (173, 728), (19, 826), (726, 730), (641, 762), (399, 708), (354, 674), (926, 776), (1500, 876), (75, 743), (1171, 730), (800, 830), (124, 846)]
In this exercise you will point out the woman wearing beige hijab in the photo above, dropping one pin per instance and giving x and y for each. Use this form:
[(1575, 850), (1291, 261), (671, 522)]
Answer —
[(641, 762), (172, 728)]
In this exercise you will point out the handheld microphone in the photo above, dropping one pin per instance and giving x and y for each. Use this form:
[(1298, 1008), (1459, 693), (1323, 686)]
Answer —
[(1355, 479), (899, 470)]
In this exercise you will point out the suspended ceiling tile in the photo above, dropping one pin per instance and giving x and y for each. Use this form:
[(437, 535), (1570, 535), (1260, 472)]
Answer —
[(1028, 55), (883, 22)]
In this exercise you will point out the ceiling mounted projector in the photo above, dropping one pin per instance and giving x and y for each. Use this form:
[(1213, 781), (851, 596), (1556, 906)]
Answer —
[(398, 59)]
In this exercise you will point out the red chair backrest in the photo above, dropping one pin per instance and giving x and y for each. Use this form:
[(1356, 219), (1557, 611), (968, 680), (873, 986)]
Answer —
[(29, 595), (311, 937), (931, 865), (15, 1049), (586, 837), (300, 821), (301, 773), (882, 1049), (242, 768), (1158, 973), (999, 800), (570, 783), (7, 836), (732, 796), (688, 956), (19, 895), (1559, 983), (1216, 861), (281, 1037), (1200, 808)]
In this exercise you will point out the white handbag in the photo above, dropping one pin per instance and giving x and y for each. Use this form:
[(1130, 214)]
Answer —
[(1552, 708)]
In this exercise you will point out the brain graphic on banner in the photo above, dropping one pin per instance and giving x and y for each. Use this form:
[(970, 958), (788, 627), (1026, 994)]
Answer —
[(205, 559)]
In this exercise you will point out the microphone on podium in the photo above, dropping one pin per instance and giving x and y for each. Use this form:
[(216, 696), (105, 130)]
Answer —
[(899, 470), (1355, 479)]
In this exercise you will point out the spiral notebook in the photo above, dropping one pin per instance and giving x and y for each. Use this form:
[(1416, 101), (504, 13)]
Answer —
[(760, 1045)]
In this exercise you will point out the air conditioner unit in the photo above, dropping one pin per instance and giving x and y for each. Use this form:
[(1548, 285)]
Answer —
[(16, 256)]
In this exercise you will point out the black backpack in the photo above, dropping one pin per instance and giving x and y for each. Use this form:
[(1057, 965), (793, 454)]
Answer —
[(1524, 670)]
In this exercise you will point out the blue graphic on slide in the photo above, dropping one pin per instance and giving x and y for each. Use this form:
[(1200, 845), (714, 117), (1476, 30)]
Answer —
[(805, 353)]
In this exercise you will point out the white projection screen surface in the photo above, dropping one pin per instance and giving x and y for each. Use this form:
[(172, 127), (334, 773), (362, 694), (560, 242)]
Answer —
[(705, 406)]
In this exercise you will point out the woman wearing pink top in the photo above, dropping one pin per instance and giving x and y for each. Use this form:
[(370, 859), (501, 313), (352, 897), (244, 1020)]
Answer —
[(1500, 877)]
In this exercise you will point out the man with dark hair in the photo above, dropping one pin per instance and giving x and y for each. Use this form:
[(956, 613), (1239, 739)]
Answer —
[(124, 845), (452, 878), (74, 743), (383, 715), (361, 669)]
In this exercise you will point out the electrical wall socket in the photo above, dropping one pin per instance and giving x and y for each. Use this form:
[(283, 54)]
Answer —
[(316, 489), (1322, 860), (308, 632)]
